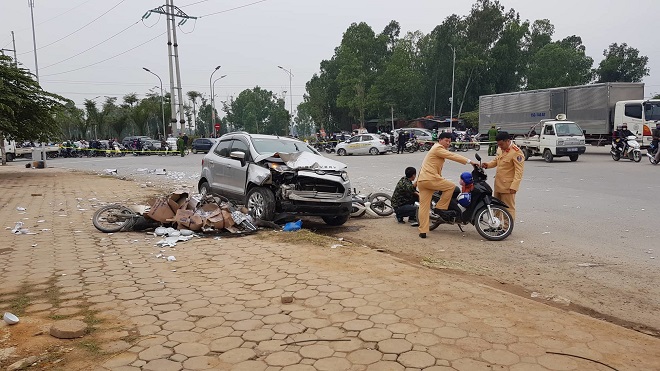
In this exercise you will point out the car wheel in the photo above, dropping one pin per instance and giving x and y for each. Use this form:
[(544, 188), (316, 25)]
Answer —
[(194, 150), (341, 152), (335, 220), (526, 153), (547, 156), (204, 189), (573, 157), (261, 203), (373, 151)]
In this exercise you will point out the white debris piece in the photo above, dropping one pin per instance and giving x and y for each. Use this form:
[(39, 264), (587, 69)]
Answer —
[(171, 258), (21, 208), (589, 265), (336, 246), (111, 171)]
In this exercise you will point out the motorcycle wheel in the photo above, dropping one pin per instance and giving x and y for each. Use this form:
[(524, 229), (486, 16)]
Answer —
[(381, 204), (112, 218), (616, 156), (637, 156), (500, 230), (477, 147)]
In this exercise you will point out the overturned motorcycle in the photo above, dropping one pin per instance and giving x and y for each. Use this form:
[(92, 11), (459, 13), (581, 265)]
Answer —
[(373, 204), (488, 214), (200, 214)]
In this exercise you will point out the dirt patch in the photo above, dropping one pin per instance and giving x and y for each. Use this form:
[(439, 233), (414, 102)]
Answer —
[(517, 266), (30, 337)]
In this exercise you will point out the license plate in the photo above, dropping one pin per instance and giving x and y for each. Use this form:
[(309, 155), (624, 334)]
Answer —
[(571, 149)]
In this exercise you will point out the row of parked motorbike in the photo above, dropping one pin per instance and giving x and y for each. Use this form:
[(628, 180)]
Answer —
[(629, 148)]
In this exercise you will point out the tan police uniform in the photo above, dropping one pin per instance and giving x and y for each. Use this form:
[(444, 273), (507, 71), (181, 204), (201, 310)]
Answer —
[(430, 180), (510, 165)]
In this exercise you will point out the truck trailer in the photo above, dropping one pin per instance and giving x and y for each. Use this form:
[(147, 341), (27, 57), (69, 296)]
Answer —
[(597, 108)]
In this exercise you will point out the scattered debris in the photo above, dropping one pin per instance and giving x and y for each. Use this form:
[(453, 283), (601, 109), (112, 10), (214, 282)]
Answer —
[(111, 171), (23, 363), (287, 299), (171, 258), (535, 294), (336, 246), (68, 329), (589, 265), (21, 208), (292, 226), (10, 319)]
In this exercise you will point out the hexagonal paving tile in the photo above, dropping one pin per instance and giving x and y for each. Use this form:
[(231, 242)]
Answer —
[(396, 346), (332, 364), (375, 334), (316, 351), (191, 349), (364, 356), (237, 355), (283, 358), (225, 344), (357, 325), (416, 359)]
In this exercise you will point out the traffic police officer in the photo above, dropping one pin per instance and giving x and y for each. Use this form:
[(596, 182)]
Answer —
[(510, 163), (492, 146)]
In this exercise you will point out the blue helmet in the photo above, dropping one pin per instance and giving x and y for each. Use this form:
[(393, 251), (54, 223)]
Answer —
[(464, 199), (466, 177)]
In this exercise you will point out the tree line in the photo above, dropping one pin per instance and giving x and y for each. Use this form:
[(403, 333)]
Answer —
[(495, 51)]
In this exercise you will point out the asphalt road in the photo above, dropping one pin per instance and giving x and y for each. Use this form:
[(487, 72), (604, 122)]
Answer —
[(594, 212)]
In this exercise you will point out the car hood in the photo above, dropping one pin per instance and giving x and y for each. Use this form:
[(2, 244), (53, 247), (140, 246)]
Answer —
[(304, 160)]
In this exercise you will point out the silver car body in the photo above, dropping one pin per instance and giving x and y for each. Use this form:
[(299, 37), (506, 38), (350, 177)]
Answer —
[(301, 180)]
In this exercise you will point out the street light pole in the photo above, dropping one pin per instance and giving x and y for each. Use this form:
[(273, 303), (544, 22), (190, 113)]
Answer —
[(162, 106), (211, 88), (451, 100), (290, 96), (213, 101)]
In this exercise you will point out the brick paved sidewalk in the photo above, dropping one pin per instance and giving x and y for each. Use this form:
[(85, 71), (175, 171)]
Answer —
[(219, 305)]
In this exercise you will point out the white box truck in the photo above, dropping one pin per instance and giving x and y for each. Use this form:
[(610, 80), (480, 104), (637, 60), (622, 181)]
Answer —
[(597, 108)]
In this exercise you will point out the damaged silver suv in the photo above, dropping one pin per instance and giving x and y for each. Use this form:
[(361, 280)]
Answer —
[(272, 175)]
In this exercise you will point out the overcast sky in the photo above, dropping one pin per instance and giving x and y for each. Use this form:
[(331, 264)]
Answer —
[(250, 42)]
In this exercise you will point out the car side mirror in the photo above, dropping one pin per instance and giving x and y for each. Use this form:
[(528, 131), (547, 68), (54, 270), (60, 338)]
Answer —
[(238, 155), (584, 132)]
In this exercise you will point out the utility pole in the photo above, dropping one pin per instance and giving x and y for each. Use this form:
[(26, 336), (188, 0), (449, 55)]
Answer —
[(290, 96), (172, 12), (451, 100), (11, 50), (34, 39)]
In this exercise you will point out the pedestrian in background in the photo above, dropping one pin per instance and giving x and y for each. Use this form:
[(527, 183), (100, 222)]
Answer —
[(492, 146), (510, 163), (180, 145), (401, 142)]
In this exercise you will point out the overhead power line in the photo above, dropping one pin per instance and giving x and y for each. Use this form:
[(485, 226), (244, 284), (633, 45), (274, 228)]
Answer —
[(92, 47), (195, 3), (79, 29), (107, 59), (229, 10)]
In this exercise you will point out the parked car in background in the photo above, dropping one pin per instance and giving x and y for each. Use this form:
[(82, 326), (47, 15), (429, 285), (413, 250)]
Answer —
[(202, 145), (271, 175), (128, 141), (420, 134), (363, 144), (150, 144)]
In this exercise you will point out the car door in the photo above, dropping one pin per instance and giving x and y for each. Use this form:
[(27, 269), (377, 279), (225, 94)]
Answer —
[(236, 170), (217, 162), (353, 145), (366, 142)]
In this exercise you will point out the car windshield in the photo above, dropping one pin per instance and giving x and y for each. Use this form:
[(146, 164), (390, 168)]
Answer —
[(652, 111), (567, 130), (268, 145)]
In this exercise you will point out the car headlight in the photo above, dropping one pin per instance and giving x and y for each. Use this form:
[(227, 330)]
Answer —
[(581, 141), (344, 176), (279, 167)]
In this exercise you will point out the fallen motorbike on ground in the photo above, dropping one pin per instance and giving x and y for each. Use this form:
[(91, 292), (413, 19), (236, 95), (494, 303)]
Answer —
[(373, 204), (426, 146), (488, 214), (631, 150), (118, 218)]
